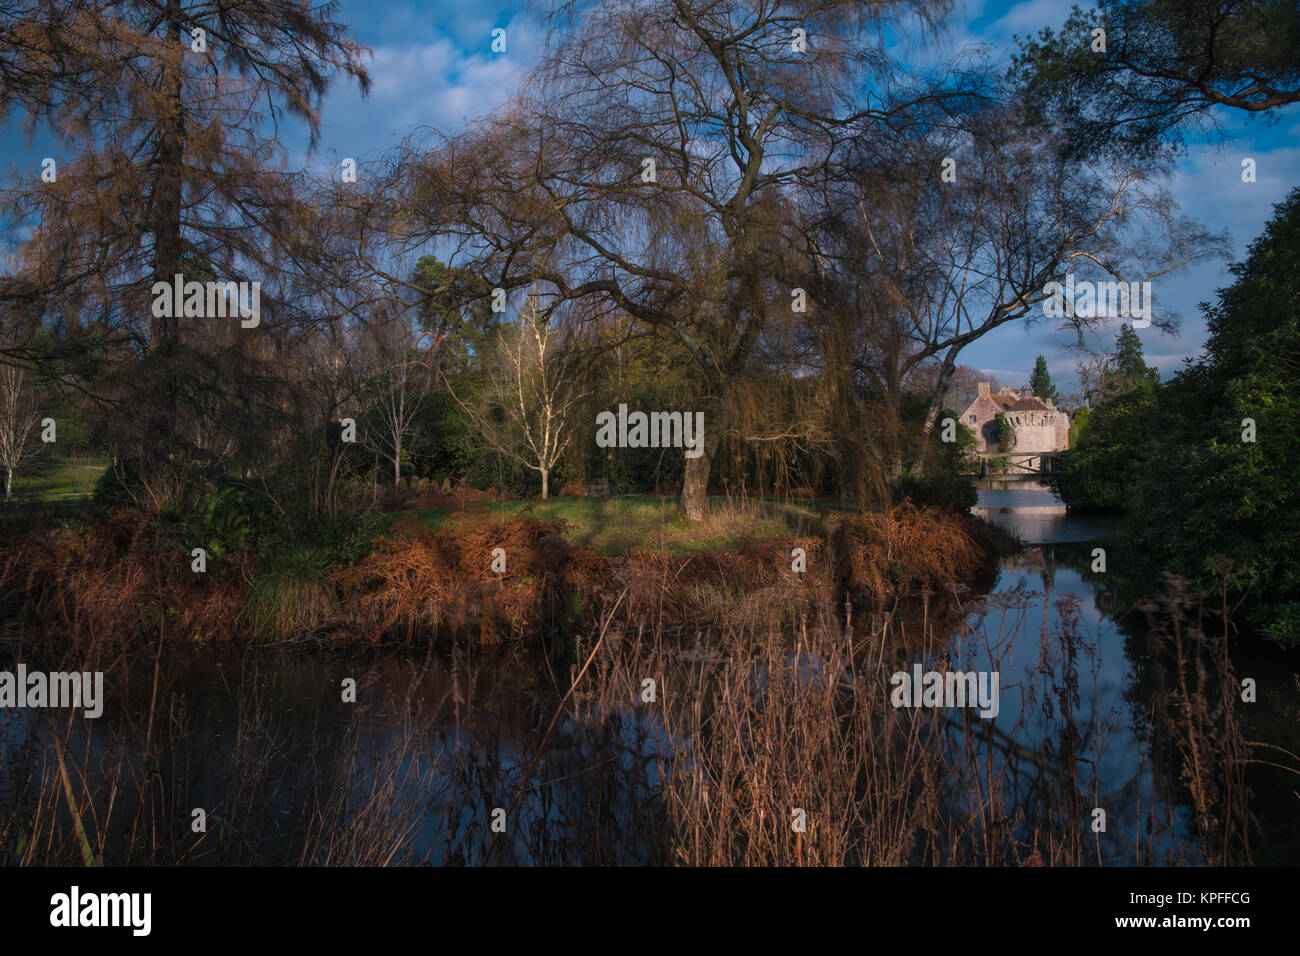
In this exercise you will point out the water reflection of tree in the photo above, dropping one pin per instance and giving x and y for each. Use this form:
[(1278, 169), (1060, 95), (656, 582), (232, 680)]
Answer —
[(1184, 695), (1053, 757), (1048, 761)]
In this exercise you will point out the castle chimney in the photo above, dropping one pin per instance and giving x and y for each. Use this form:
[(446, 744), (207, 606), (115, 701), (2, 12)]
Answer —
[(984, 390)]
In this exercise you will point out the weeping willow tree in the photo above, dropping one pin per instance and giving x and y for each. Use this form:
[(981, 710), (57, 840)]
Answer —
[(779, 436), (655, 166)]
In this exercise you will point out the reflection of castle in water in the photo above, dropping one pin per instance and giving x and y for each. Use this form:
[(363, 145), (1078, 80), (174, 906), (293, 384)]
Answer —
[(1123, 621), (1111, 591), (1037, 559)]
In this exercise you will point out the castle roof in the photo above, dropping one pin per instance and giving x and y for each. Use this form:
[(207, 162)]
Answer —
[(1004, 402), (1029, 404)]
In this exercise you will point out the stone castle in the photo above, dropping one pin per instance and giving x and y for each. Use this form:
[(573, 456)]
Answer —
[(1036, 425)]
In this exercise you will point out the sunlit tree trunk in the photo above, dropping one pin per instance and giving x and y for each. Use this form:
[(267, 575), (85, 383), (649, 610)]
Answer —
[(695, 480)]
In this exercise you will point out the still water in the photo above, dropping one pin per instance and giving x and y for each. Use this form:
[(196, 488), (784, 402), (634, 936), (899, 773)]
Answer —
[(431, 747), (1057, 573), (1048, 591)]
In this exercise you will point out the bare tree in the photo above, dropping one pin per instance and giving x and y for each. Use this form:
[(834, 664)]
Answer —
[(404, 361), (963, 388), (19, 414), (1095, 374), (532, 389)]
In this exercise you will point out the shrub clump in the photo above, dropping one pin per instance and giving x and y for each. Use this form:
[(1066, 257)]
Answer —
[(906, 549), (418, 579)]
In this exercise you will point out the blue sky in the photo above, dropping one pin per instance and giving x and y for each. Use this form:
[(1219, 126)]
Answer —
[(433, 66)]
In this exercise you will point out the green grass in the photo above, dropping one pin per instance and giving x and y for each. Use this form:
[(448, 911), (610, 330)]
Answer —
[(58, 478), (649, 523), (292, 594)]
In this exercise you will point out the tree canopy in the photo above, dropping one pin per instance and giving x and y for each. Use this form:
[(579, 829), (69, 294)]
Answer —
[(1138, 73)]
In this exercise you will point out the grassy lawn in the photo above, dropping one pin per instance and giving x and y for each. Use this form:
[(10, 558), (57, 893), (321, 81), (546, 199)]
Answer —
[(649, 523), (58, 478)]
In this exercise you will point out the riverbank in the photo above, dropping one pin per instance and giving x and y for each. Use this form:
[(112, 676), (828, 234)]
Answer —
[(493, 571)]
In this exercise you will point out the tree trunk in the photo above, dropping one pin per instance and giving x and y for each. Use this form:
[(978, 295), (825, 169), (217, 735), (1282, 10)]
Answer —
[(936, 406), (894, 395), (168, 177), (546, 476), (892, 435), (695, 487), (896, 468), (9, 482), (168, 184), (397, 461), (695, 482)]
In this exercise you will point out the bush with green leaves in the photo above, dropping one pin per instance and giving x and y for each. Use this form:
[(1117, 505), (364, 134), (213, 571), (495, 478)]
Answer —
[(228, 521), (1005, 434), (1099, 469), (943, 481), (1078, 424), (1207, 501), (1208, 496), (113, 489)]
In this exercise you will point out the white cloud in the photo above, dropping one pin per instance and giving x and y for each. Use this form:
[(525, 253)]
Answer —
[(1008, 376), (441, 82)]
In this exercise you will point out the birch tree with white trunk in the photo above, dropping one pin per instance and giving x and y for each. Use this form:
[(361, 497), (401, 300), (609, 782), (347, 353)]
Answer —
[(531, 391), (405, 360), (19, 414)]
